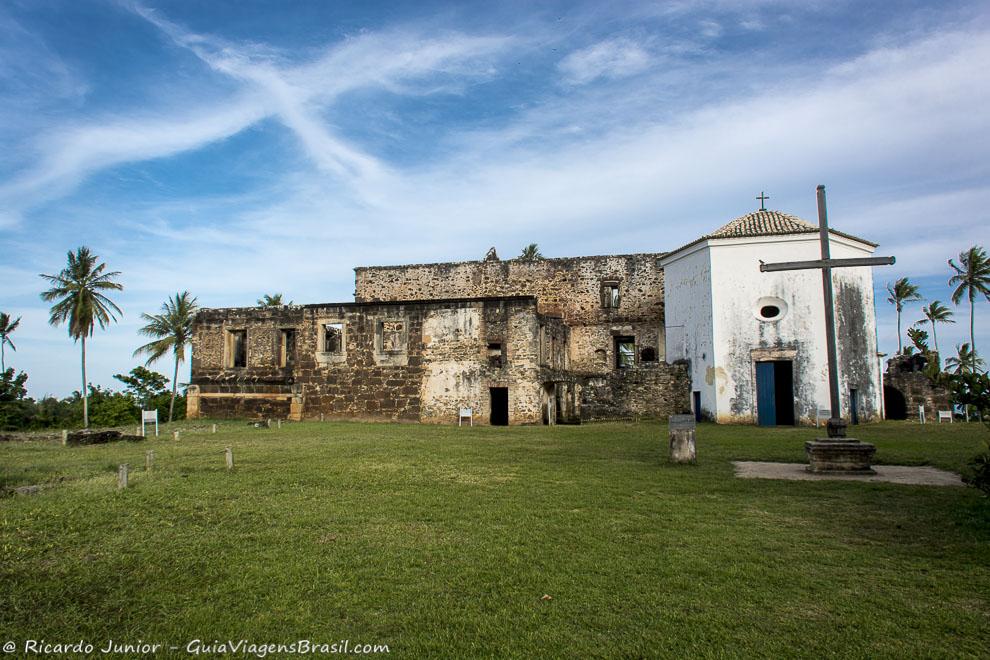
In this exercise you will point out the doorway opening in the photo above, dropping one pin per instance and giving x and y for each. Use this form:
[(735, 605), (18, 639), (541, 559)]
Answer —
[(499, 415), (894, 404), (775, 393)]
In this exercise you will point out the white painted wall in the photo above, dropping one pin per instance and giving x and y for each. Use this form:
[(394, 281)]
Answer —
[(688, 319), (723, 330)]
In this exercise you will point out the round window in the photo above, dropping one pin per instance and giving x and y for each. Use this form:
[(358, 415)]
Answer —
[(770, 308)]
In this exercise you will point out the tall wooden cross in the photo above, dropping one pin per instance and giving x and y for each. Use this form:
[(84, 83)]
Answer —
[(826, 264)]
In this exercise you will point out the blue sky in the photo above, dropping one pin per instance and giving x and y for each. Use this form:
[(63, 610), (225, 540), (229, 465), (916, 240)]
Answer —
[(241, 148)]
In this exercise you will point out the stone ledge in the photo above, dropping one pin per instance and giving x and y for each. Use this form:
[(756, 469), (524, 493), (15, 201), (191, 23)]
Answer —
[(895, 474)]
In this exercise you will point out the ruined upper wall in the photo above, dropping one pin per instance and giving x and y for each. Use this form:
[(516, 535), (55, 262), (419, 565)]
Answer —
[(390, 360), (570, 287)]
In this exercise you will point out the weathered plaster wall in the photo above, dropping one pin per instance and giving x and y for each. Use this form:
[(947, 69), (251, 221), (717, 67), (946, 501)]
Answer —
[(443, 361), (570, 288), (689, 331), (741, 337)]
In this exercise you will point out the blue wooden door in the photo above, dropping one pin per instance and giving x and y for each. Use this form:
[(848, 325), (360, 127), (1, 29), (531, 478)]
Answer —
[(766, 404)]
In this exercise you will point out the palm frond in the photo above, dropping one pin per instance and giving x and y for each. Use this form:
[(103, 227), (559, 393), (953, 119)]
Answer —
[(171, 329), (76, 293)]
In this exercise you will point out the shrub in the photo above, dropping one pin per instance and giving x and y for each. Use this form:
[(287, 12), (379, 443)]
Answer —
[(974, 389)]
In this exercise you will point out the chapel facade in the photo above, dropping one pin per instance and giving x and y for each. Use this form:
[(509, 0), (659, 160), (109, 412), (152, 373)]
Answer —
[(553, 340)]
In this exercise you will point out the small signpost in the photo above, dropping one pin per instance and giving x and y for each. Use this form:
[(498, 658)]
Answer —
[(148, 416), (836, 453)]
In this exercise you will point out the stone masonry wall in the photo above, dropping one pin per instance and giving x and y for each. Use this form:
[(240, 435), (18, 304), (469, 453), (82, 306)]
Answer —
[(569, 287), (904, 375), (435, 359), (653, 391)]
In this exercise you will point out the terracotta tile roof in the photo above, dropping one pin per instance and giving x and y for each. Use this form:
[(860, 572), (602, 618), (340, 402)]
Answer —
[(763, 223), (767, 223)]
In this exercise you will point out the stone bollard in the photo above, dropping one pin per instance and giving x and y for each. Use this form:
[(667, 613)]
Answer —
[(65, 437), (682, 446)]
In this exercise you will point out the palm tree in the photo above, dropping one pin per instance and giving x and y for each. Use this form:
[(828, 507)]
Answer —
[(966, 361), (973, 279), (935, 312), (172, 330), (76, 292), (274, 300), (531, 253), (6, 327), (901, 292)]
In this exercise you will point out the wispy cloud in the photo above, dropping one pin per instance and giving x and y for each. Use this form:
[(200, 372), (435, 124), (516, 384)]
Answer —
[(295, 95), (614, 58)]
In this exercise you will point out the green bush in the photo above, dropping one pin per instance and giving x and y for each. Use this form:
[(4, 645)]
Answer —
[(974, 389)]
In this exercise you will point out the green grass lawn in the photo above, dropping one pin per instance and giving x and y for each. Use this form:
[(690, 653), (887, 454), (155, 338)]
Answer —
[(441, 541)]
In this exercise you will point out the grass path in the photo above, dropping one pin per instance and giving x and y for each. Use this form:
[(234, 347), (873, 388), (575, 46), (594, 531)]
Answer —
[(440, 541)]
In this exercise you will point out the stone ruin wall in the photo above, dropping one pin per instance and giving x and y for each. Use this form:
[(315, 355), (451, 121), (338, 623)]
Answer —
[(904, 374), (445, 364), (567, 287), (644, 392)]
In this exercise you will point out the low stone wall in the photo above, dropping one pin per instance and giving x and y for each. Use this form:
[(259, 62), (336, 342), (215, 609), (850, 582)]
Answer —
[(654, 392)]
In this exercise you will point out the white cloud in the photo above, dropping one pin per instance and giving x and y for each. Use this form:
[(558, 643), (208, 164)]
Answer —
[(293, 95), (711, 29), (614, 58)]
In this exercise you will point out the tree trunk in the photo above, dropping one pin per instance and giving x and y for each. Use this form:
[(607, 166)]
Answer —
[(85, 390), (175, 383), (972, 335), (935, 339), (900, 349), (3, 363)]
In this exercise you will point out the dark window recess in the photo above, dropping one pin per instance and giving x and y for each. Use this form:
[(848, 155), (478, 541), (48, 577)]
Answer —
[(238, 348), (648, 354), (625, 352), (287, 348), (333, 338), (610, 295), (495, 354), (769, 311)]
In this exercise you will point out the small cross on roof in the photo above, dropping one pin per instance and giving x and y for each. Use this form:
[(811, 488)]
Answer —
[(763, 198)]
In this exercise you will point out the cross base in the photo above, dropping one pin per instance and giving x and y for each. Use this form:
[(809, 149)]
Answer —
[(839, 456)]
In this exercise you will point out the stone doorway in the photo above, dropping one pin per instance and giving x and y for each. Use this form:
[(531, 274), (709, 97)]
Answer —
[(499, 415), (894, 404)]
